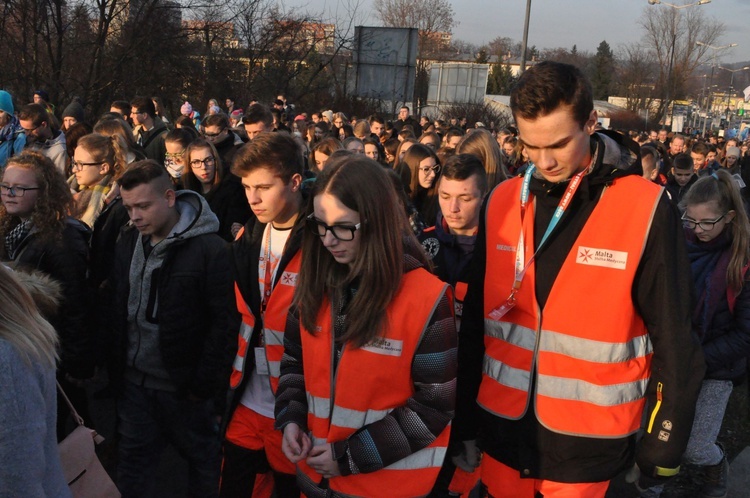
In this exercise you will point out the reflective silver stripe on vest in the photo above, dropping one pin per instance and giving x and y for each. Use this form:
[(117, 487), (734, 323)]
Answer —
[(505, 374), (523, 337), (355, 419), (246, 331), (317, 441), (423, 459), (274, 368), (319, 407), (273, 337), (579, 390), (595, 351)]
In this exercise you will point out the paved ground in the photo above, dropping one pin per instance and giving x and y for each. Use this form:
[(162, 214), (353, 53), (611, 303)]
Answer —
[(735, 435)]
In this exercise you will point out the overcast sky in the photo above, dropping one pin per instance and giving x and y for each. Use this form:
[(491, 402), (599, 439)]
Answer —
[(562, 23)]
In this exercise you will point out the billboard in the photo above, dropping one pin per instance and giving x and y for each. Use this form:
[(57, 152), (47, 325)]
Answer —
[(385, 63), (457, 83)]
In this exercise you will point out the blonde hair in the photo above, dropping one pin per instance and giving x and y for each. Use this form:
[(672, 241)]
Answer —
[(481, 144), (21, 323)]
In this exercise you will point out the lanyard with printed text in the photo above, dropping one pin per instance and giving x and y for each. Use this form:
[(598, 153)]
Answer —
[(521, 266)]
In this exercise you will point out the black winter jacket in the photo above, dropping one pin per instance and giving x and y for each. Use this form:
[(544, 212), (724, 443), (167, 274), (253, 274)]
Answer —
[(229, 204), (66, 260), (194, 294)]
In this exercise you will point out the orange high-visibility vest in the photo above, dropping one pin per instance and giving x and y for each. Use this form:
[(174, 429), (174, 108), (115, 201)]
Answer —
[(274, 321), (369, 383), (588, 348)]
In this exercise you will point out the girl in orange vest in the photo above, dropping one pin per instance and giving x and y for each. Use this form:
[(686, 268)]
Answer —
[(367, 383), (718, 239)]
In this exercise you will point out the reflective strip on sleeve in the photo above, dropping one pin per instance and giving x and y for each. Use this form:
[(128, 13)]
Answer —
[(522, 337), (274, 368), (579, 390)]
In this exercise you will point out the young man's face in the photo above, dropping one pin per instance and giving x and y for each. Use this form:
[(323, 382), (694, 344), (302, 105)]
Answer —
[(316, 118), (682, 176), (653, 136), (662, 135), (557, 144), (460, 202), (377, 128), (403, 114), (255, 129), (139, 118), (699, 161), (151, 209), (270, 199), (711, 156), (37, 134)]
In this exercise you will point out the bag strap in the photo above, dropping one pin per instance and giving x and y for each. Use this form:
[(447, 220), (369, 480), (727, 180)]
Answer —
[(78, 418)]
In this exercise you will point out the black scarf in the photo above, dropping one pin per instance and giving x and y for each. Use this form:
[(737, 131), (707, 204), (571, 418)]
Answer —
[(16, 236), (709, 262)]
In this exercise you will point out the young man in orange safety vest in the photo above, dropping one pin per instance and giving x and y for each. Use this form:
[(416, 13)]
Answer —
[(577, 317), (265, 258)]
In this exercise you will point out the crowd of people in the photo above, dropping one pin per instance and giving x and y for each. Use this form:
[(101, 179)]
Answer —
[(334, 306)]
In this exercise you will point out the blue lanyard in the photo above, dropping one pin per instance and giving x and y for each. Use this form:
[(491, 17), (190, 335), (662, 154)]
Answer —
[(565, 201)]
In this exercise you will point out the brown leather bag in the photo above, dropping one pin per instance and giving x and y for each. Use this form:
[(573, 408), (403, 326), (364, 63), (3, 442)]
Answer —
[(82, 469)]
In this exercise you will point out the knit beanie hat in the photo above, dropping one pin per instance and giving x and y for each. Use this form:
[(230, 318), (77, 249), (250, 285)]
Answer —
[(6, 102), (74, 110), (186, 109), (44, 95), (236, 114), (733, 151), (215, 109), (328, 114)]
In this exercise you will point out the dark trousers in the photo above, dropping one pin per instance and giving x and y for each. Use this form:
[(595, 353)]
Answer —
[(147, 420)]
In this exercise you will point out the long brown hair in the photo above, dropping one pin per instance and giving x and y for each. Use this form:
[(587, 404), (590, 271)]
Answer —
[(190, 181), (723, 190), (54, 202), (362, 185)]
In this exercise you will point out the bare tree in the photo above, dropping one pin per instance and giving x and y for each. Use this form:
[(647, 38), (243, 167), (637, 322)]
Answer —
[(670, 36)]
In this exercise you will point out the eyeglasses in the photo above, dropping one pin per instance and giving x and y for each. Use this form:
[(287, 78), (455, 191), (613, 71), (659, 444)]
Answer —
[(174, 156), (78, 166), (435, 169), (706, 226), (15, 191), (209, 136), (197, 163), (29, 131), (135, 113), (344, 233)]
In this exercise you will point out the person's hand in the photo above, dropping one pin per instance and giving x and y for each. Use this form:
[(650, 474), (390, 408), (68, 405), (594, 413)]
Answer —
[(321, 460), (469, 458), (295, 444)]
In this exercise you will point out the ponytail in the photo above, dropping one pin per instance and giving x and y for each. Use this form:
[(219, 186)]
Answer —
[(722, 188)]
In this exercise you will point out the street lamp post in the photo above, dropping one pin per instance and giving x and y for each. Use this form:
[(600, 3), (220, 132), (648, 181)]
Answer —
[(713, 66), (525, 41), (731, 88), (668, 91)]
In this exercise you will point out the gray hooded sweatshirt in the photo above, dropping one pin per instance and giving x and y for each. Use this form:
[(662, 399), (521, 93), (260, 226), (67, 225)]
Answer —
[(144, 361)]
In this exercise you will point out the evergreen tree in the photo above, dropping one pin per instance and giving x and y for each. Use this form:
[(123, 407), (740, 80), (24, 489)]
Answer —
[(501, 79), (603, 71)]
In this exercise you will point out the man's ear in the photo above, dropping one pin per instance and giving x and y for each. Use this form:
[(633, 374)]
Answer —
[(590, 125)]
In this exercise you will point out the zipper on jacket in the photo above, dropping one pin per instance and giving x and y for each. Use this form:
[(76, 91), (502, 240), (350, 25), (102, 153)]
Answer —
[(334, 365), (533, 373), (659, 388)]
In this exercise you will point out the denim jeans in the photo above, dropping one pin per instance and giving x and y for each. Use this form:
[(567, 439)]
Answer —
[(150, 418)]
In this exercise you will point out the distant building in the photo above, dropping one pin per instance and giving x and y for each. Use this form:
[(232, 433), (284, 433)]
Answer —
[(307, 35)]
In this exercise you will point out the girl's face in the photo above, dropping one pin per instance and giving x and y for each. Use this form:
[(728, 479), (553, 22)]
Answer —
[(320, 160), (508, 148), (21, 205), (731, 160), (88, 170), (174, 160), (203, 165), (428, 170), (404, 148), (707, 214), (318, 133), (327, 209)]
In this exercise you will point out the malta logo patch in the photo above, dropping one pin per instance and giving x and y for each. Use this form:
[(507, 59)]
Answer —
[(289, 278), (606, 258), (384, 346)]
